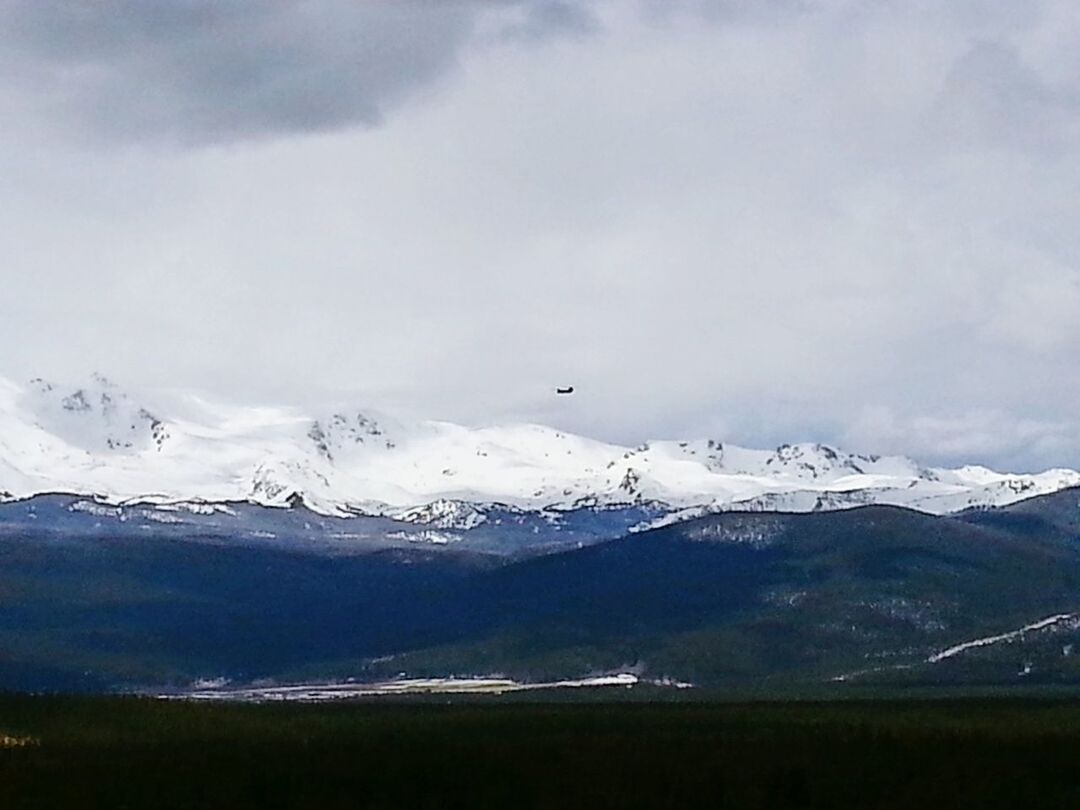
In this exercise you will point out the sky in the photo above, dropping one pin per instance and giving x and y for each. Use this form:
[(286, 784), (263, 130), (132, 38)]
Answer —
[(764, 222)]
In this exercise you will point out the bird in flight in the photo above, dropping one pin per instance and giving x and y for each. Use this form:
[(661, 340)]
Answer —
[(568, 390)]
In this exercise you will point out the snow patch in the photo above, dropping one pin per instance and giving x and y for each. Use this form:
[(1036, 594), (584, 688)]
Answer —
[(1003, 637)]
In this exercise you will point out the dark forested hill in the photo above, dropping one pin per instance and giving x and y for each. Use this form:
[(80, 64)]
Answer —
[(737, 599)]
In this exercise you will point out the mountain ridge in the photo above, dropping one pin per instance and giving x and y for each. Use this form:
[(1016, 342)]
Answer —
[(98, 441), (873, 595)]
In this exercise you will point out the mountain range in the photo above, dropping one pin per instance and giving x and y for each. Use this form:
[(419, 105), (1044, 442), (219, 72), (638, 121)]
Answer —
[(144, 547), (98, 441)]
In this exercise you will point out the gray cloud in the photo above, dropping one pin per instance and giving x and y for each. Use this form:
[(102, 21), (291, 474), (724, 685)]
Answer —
[(991, 96), (206, 71), (545, 18)]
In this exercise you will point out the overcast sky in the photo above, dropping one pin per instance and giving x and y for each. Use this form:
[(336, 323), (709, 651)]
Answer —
[(856, 222)]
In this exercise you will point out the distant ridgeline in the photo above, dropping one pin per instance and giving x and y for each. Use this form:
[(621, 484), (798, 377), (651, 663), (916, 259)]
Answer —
[(185, 452)]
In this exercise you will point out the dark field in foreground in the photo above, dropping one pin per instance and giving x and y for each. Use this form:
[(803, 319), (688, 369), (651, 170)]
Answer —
[(129, 752)]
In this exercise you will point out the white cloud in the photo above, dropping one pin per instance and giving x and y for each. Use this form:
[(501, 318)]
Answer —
[(976, 434)]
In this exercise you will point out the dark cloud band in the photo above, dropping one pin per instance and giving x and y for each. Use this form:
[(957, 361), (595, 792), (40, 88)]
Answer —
[(205, 71)]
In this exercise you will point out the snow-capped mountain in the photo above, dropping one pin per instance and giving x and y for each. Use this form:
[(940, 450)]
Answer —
[(97, 440)]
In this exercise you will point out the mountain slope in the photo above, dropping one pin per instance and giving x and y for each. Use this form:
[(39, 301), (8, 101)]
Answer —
[(1054, 514), (744, 599), (733, 600), (97, 440), (453, 527)]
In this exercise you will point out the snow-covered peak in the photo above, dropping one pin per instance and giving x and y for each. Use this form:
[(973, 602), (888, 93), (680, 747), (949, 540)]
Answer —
[(344, 435), (804, 462), (96, 417), (98, 440)]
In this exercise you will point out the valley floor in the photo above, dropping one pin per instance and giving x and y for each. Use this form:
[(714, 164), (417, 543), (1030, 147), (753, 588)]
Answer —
[(511, 751)]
